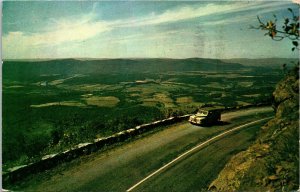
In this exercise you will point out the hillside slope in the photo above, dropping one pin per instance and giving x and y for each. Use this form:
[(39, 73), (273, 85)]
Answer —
[(272, 162), (109, 66), (275, 63)]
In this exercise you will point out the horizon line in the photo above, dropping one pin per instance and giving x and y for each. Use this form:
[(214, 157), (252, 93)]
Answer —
[(110, 58)]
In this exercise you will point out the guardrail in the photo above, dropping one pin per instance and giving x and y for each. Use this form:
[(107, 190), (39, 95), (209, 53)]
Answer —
[(49, 161)]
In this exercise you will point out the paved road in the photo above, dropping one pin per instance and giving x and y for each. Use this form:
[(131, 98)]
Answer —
[(195, 169), (210, 143), (120, 168)]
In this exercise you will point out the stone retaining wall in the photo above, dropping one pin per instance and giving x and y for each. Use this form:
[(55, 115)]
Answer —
[(52, 160)]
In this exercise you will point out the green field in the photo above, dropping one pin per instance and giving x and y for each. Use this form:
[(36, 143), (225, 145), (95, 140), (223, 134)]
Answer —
[(52, 105)]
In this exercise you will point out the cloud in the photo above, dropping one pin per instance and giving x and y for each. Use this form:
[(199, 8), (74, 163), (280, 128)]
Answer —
[(81, 28), (65, 31), (248, 17), (58, 32), (180, 14), (158, 35), (87, 26), (191, 12)]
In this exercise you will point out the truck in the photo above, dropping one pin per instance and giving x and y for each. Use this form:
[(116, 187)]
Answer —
[(206, 116)]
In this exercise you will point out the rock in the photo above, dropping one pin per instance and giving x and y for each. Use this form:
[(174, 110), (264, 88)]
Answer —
[(276, 146)]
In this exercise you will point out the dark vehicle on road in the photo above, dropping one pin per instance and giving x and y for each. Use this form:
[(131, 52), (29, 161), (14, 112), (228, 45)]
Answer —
[(206, 116)]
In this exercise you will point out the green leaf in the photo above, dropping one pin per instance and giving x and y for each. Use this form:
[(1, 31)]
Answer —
[(293, 49), (286, 21), (290, 10), (295, 43), (287, 28)]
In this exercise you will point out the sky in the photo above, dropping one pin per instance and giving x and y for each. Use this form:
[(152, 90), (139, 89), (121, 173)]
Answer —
[(141, 29)]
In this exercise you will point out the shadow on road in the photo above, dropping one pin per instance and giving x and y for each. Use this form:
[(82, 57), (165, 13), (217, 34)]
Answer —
[(219, 123)]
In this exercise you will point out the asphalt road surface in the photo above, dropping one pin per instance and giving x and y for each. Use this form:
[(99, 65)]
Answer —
[(123, 167)]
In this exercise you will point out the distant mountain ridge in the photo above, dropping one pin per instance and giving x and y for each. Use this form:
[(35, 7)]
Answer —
[(265, 62), (107, 66)]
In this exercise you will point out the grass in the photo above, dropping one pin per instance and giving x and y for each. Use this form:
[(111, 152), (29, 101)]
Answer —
[(84, 87), (98, 101), (62, 103), (245, 83), (242, 103), (217, 85), (184, 100), (15, 86), (252, 95), (159, 100)]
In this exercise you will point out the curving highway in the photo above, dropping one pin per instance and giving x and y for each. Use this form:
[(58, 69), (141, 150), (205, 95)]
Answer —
[(181, 157)]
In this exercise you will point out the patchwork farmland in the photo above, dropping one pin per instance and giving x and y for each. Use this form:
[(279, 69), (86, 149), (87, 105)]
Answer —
[(49, 106)]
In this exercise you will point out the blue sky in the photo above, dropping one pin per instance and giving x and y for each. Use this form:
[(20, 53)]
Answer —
[(131, 29)]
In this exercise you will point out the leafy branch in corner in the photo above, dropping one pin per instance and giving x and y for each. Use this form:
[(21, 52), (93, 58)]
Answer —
[(289, 29)]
